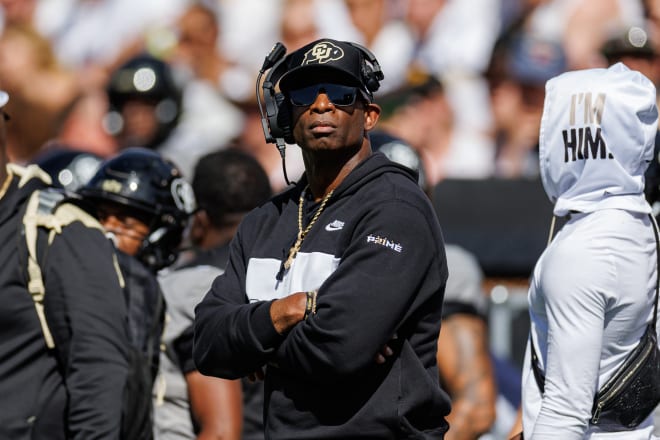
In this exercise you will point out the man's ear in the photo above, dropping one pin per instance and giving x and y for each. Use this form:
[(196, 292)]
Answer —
[(371, 115), (200, 224)]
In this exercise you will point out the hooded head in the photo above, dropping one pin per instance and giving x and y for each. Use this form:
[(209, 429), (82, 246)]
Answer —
[(596, 140)]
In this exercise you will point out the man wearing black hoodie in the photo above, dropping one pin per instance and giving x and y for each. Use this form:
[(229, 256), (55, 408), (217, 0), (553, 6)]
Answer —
[(322, 277)]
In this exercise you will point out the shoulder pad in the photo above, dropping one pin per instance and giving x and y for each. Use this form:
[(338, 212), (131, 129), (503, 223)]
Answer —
[(29, 172)]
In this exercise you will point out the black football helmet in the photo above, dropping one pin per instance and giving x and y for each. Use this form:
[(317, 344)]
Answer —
[(144, 181), (69, 169), (399, 151), (147, 79)]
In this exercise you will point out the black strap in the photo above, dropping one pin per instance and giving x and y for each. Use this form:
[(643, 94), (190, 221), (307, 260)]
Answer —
[(657, 277), (536, 368)]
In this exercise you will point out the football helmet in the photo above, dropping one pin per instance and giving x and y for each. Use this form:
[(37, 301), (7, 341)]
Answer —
[(153, 188), (150, 81)]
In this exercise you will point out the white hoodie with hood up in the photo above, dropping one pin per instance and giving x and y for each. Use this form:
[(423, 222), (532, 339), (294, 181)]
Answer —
[(592, 290)]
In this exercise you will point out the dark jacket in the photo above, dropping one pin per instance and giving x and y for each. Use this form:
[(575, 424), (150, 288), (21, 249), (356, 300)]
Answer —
[(76, 390), (376, 256)]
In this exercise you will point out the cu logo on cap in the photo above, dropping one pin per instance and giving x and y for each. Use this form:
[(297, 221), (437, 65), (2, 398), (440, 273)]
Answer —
[(323, 52)]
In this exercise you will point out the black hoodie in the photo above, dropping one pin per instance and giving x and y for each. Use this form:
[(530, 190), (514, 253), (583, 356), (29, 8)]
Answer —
[(376, 256)]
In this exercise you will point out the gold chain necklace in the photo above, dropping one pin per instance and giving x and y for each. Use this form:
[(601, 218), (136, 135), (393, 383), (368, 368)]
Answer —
[(3, 190), (302, 233)]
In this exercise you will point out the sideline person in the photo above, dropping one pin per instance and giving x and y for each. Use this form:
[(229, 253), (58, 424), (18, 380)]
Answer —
[(144, 204), (227, 184), (321, 278), (465, 367), (592, 292), (63, 356)]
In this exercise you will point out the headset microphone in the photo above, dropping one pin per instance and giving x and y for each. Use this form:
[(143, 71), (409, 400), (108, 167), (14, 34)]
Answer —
[(276, 53), (275, 56)]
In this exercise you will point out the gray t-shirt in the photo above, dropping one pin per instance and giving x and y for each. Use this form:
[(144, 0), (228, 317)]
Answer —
[(464, 292), (183, 289)]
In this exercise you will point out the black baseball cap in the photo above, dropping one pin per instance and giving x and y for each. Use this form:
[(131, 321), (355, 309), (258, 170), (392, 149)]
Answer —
[(324, 60)]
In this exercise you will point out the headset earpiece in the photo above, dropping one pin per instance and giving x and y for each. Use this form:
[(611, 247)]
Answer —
[(276, 122), (371, 72), (277, 111), (283, 116), (369, 78)]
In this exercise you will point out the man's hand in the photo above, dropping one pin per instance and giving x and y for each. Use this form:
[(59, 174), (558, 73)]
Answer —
[(257, 375), (386, 351), (288, 311)]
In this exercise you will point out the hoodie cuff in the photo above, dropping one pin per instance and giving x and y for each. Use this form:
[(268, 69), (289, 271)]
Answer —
[(264, 330)]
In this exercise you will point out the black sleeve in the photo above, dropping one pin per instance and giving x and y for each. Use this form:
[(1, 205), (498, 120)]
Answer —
[(87, 314), (233, 338), (183, 346), (450, 308)]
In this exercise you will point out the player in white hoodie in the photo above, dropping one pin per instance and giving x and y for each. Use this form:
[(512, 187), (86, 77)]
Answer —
[(592, 291)]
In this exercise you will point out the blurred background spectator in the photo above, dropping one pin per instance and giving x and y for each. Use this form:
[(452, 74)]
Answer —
[(520, 65), (215, 47), (420, 114), (39, 86)]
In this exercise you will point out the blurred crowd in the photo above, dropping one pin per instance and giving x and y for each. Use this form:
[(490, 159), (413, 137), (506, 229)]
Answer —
[(464, 80)]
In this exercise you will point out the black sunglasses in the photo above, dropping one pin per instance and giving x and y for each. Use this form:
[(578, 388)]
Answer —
[(337, 94)]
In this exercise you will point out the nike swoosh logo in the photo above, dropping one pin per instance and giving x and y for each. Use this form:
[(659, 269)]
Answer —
[(336, 225)]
